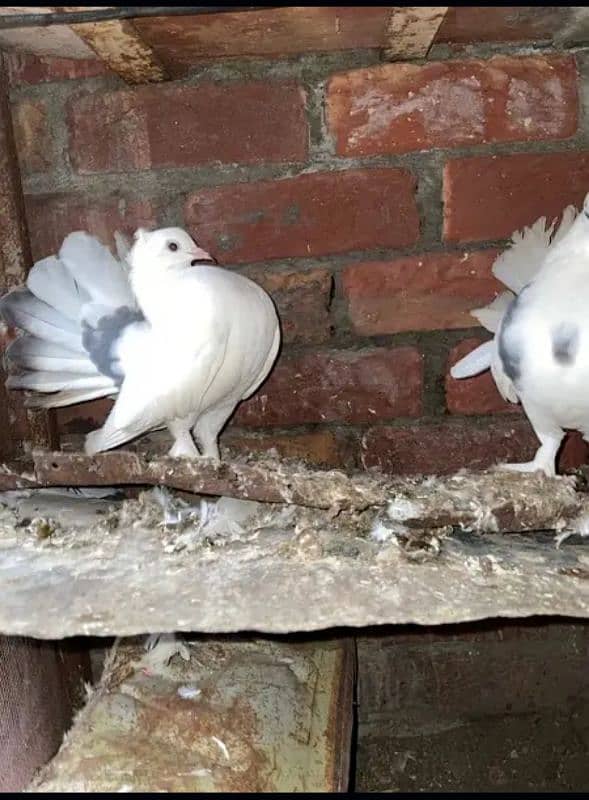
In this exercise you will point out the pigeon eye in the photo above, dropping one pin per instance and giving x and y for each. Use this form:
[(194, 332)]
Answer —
[(172, 246)]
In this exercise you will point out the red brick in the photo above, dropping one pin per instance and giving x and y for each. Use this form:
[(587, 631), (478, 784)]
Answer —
[(26, 68), (171, 126), (445, 447), (395, 108), (31, 132), (442, 448), (267, 33), (427, 292), (83, 417), (302, 300), (467, 24), (52, 217), (310, 215), (323, 448), (574, 452), (492, 196), (338, 386), (476, 395)]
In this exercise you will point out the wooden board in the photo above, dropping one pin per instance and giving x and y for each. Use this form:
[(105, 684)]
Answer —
[(247, 716)]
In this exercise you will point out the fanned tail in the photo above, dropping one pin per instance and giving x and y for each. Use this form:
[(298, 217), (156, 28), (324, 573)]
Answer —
[(516, 267), (64, 296)]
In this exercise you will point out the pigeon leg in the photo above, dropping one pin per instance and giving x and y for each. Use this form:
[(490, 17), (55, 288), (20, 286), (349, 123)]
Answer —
[(209, 426), (183, 446), (550, 436)]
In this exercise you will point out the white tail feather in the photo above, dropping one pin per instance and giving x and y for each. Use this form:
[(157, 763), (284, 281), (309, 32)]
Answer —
[(96, 270), (569, 215), (58, 381), (521, 262), (28, 352), (490, 316), (50, 280), (106, 438), (25, 311), (475, 362), (123, 246), (65, 297), (61, 399)]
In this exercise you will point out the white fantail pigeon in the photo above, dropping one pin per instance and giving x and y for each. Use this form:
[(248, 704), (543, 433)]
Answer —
[(539, 355), (177, 340)]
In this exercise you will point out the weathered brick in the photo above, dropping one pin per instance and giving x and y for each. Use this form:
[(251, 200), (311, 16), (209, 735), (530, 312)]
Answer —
[(442, 448), (395, 108), (338, 386), (26, 68), (489, 197), (427, 292), (52, 217), (172, 126), (268, 33), (322, 448), (468, 24), (32, 136), (310, 215), (302, 300), (83, 417), (476, 395)]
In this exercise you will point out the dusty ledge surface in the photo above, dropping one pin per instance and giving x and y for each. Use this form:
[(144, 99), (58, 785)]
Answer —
[(71, 566)]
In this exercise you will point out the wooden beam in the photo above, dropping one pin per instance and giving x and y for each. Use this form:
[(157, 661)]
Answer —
[(120, 46), (411, 30), (487, 501), (15, 262), (226, 715)]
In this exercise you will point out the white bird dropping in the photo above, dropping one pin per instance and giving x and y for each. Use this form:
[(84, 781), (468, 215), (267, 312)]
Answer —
[(176, 340)]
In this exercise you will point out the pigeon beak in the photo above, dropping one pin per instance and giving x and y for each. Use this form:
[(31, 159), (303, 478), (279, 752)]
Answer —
[(199, 255)]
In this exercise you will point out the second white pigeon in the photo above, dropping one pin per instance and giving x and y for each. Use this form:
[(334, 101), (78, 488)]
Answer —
[(539, 355), (178, 341)]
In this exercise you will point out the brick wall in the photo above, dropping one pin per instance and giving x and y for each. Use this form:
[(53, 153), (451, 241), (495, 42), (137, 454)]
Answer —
[(368, 198), (485, 707)]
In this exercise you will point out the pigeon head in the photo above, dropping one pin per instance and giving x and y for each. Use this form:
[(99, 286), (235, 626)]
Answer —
[(167, 248)]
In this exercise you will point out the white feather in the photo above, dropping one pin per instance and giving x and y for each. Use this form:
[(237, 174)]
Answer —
[(50, 281), (58, 381), (475, 362), (123, 246), (29, 352), (96, 270), (66, 398), (25, 311), (490, 316)]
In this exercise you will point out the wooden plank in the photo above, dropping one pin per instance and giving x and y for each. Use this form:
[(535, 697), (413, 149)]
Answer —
[(120, 46), (411, 30), (15, 261), (247, 716), (487, 501), (41, 687)]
